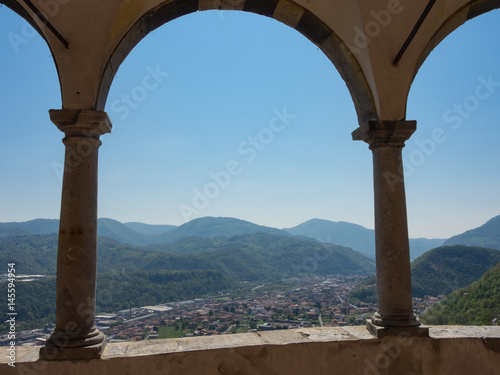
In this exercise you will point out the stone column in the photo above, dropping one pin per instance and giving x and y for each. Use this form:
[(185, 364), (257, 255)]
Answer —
[(395, 313), (75, 335)]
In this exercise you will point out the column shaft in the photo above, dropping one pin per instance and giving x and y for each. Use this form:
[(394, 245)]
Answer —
[(391, 240), (392, 250), (75, 335)]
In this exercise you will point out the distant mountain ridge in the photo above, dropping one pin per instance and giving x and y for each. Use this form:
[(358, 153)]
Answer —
[(341, 233), (37, 226), (350, 235), (105, 227), (487, 235), (139, 234), (355, 236), (210, 227), (150, 229), (120, 232)]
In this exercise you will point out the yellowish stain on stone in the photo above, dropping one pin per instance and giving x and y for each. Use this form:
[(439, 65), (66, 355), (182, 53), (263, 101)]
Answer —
[(129, 10)]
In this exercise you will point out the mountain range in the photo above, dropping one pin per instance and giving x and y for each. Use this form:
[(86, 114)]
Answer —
[(487, 235), (345, 234), (211, 243), (340, 233), (355, 236)]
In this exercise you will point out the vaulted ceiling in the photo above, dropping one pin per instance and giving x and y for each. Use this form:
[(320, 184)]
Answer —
[(376, 45)]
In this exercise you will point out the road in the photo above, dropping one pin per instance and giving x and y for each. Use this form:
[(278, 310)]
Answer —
[(341, 300)]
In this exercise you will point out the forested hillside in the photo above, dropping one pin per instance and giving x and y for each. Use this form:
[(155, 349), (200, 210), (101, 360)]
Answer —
[(447, 268), (247, 257), (478, 304), (440, 271)]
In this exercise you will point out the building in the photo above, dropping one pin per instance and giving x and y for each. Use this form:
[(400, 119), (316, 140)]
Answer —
[(378, 47)]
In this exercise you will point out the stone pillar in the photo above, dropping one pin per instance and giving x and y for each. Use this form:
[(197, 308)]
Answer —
[(75, 335), (395, 313)]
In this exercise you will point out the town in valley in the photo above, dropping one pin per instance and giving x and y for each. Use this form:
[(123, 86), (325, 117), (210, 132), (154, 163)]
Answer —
[(319, 301)]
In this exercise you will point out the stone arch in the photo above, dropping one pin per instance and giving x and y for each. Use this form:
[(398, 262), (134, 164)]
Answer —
[(457, 19), (285, 11)]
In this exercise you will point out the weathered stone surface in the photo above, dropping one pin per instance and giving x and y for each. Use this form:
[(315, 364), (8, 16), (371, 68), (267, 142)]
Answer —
[(208, 4), (232, 4), (289, 13), (348, 350)]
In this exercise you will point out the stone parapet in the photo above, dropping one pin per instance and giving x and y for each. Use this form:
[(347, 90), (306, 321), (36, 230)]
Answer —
[(347, 350)]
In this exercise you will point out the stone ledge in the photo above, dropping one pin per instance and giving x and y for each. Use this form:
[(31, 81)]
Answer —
[(281, 337), (349, 350), (285, 337), (451, 332)]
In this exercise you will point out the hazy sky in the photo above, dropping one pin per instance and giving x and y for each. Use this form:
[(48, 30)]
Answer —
[(252, 115)]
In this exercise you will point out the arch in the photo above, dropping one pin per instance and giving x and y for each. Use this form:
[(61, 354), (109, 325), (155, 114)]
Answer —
[(284, 11), (457, 19)]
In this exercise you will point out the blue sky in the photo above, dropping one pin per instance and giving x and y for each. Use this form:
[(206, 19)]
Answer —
[(250, 114)]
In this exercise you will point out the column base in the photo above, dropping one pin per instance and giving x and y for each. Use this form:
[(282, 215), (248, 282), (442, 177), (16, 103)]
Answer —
[(408, 331), (60, 348), (395, 320)]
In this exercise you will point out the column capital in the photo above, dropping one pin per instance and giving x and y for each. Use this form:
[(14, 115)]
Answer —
[(381, 133), (78, 122)]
